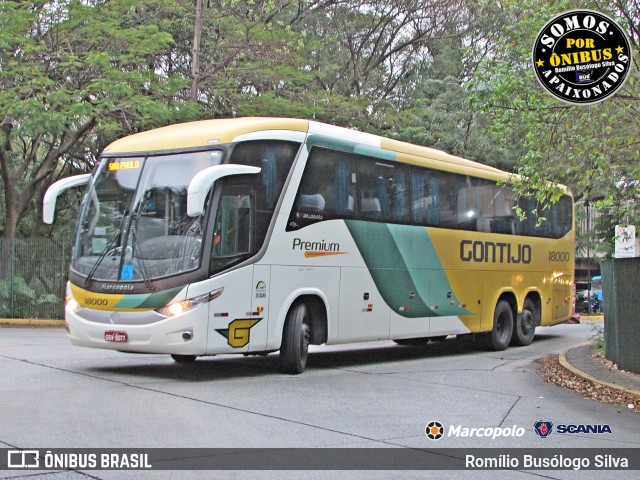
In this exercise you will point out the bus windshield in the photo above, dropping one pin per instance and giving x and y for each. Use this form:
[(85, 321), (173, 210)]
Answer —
[(133, 223)]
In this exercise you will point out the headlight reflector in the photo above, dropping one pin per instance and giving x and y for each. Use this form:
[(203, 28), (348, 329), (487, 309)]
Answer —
[(178, 308)]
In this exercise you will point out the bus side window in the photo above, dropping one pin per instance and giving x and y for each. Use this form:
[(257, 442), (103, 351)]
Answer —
[(384, 191), (232, 234), (426, 199), (275, 158), (448, 187), (563, 216), (310, 199), (327, 189), (345, 186)]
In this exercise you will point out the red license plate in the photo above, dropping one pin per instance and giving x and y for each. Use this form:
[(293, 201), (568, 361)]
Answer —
[(114, 336)]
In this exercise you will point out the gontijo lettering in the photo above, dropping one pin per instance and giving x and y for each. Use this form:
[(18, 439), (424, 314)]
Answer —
[(494, 252)]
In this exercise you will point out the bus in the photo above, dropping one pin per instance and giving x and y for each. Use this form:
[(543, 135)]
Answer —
[(257, 235), (596, 300)]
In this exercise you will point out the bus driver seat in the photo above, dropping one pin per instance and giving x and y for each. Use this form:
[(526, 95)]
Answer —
[(310, 200)]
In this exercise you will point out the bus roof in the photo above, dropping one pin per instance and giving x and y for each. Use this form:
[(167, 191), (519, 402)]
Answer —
[(203, 133), (206, 133)]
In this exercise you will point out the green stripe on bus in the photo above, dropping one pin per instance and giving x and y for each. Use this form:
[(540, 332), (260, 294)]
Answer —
[(351, 147), (376, 152), (330, 143), (402, 261), (425, 268), (388, 269), (149, 300)]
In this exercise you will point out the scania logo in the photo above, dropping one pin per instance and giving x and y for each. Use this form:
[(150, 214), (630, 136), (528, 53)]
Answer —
[(543, 428)]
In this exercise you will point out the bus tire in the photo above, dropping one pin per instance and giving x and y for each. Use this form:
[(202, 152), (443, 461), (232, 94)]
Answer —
[(295, 340), (183, 358), (524, 328), (500, 335)]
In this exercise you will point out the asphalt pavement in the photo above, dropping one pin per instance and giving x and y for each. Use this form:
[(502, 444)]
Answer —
[(582, 360), (372, 395)]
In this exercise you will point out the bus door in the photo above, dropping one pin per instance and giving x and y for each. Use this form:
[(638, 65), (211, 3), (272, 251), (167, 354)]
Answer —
[(233, 315)]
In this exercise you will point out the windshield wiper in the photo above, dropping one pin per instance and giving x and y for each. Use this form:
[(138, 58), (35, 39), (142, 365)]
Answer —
[(143, 272), (103, 254)]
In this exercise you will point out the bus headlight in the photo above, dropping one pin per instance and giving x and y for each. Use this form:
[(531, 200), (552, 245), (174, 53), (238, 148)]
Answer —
[(177, 308), (71, 304)]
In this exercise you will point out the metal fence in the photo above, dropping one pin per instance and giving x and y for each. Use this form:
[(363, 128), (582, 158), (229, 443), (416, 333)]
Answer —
[(620, 280), (33, 275)]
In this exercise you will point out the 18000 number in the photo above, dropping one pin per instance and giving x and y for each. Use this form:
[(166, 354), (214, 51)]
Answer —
[(559, 256), (96, 301)]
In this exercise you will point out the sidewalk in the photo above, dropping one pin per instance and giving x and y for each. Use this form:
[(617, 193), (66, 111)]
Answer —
[(584, 362), (30, 322)]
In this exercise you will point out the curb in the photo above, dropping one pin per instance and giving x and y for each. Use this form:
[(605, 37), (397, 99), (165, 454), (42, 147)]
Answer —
[(562, 359), (29, 322)]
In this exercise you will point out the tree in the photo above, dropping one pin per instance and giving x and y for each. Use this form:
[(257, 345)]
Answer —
[(592, 149), (432, 101), (74, 75), (242, 57)]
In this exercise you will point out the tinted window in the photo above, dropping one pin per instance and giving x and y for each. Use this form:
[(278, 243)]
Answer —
[(342, 185)]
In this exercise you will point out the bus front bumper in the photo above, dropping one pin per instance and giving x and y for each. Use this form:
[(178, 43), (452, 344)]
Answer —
[(135, 332)]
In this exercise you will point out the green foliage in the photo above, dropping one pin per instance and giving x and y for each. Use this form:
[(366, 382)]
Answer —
[(591, 149), (17, 297), (74, 76), (449, 74)]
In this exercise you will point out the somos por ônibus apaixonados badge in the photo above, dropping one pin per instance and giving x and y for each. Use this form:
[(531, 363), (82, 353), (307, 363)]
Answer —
[(581, 57)]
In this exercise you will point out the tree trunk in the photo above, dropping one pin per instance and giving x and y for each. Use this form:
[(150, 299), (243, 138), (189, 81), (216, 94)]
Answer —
[(10, 214), (195, 50)]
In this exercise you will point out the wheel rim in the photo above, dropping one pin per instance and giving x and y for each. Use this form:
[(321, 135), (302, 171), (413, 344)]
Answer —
[(304, 339), (528, 323), (502, 327)]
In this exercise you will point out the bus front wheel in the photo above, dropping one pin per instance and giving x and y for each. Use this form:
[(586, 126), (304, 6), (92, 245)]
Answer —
[(295, 339), (525, 326), (500, 335)]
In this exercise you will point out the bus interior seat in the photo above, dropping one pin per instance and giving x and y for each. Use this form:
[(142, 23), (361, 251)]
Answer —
[(311, 202), (370, 206)]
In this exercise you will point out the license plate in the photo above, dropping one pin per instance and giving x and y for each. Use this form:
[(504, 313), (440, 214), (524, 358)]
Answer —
[(114, 336)]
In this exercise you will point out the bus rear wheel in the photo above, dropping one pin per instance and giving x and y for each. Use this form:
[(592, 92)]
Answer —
[(295, 339), (500, 335), (525, 326)]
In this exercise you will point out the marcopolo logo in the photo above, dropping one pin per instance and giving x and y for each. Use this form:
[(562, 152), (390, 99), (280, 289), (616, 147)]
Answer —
[(435, 431), (581, 57)]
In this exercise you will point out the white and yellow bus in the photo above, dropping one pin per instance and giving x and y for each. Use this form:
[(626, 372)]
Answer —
[(254, 235)]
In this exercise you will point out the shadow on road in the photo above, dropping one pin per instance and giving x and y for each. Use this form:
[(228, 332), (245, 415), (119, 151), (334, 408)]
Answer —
[(224, 367)]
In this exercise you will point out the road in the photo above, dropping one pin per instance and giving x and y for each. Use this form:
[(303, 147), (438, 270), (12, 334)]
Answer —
[(55, 395)]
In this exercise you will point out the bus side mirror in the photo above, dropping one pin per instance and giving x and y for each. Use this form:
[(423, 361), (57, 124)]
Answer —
[(201, 184), (51, 195)]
